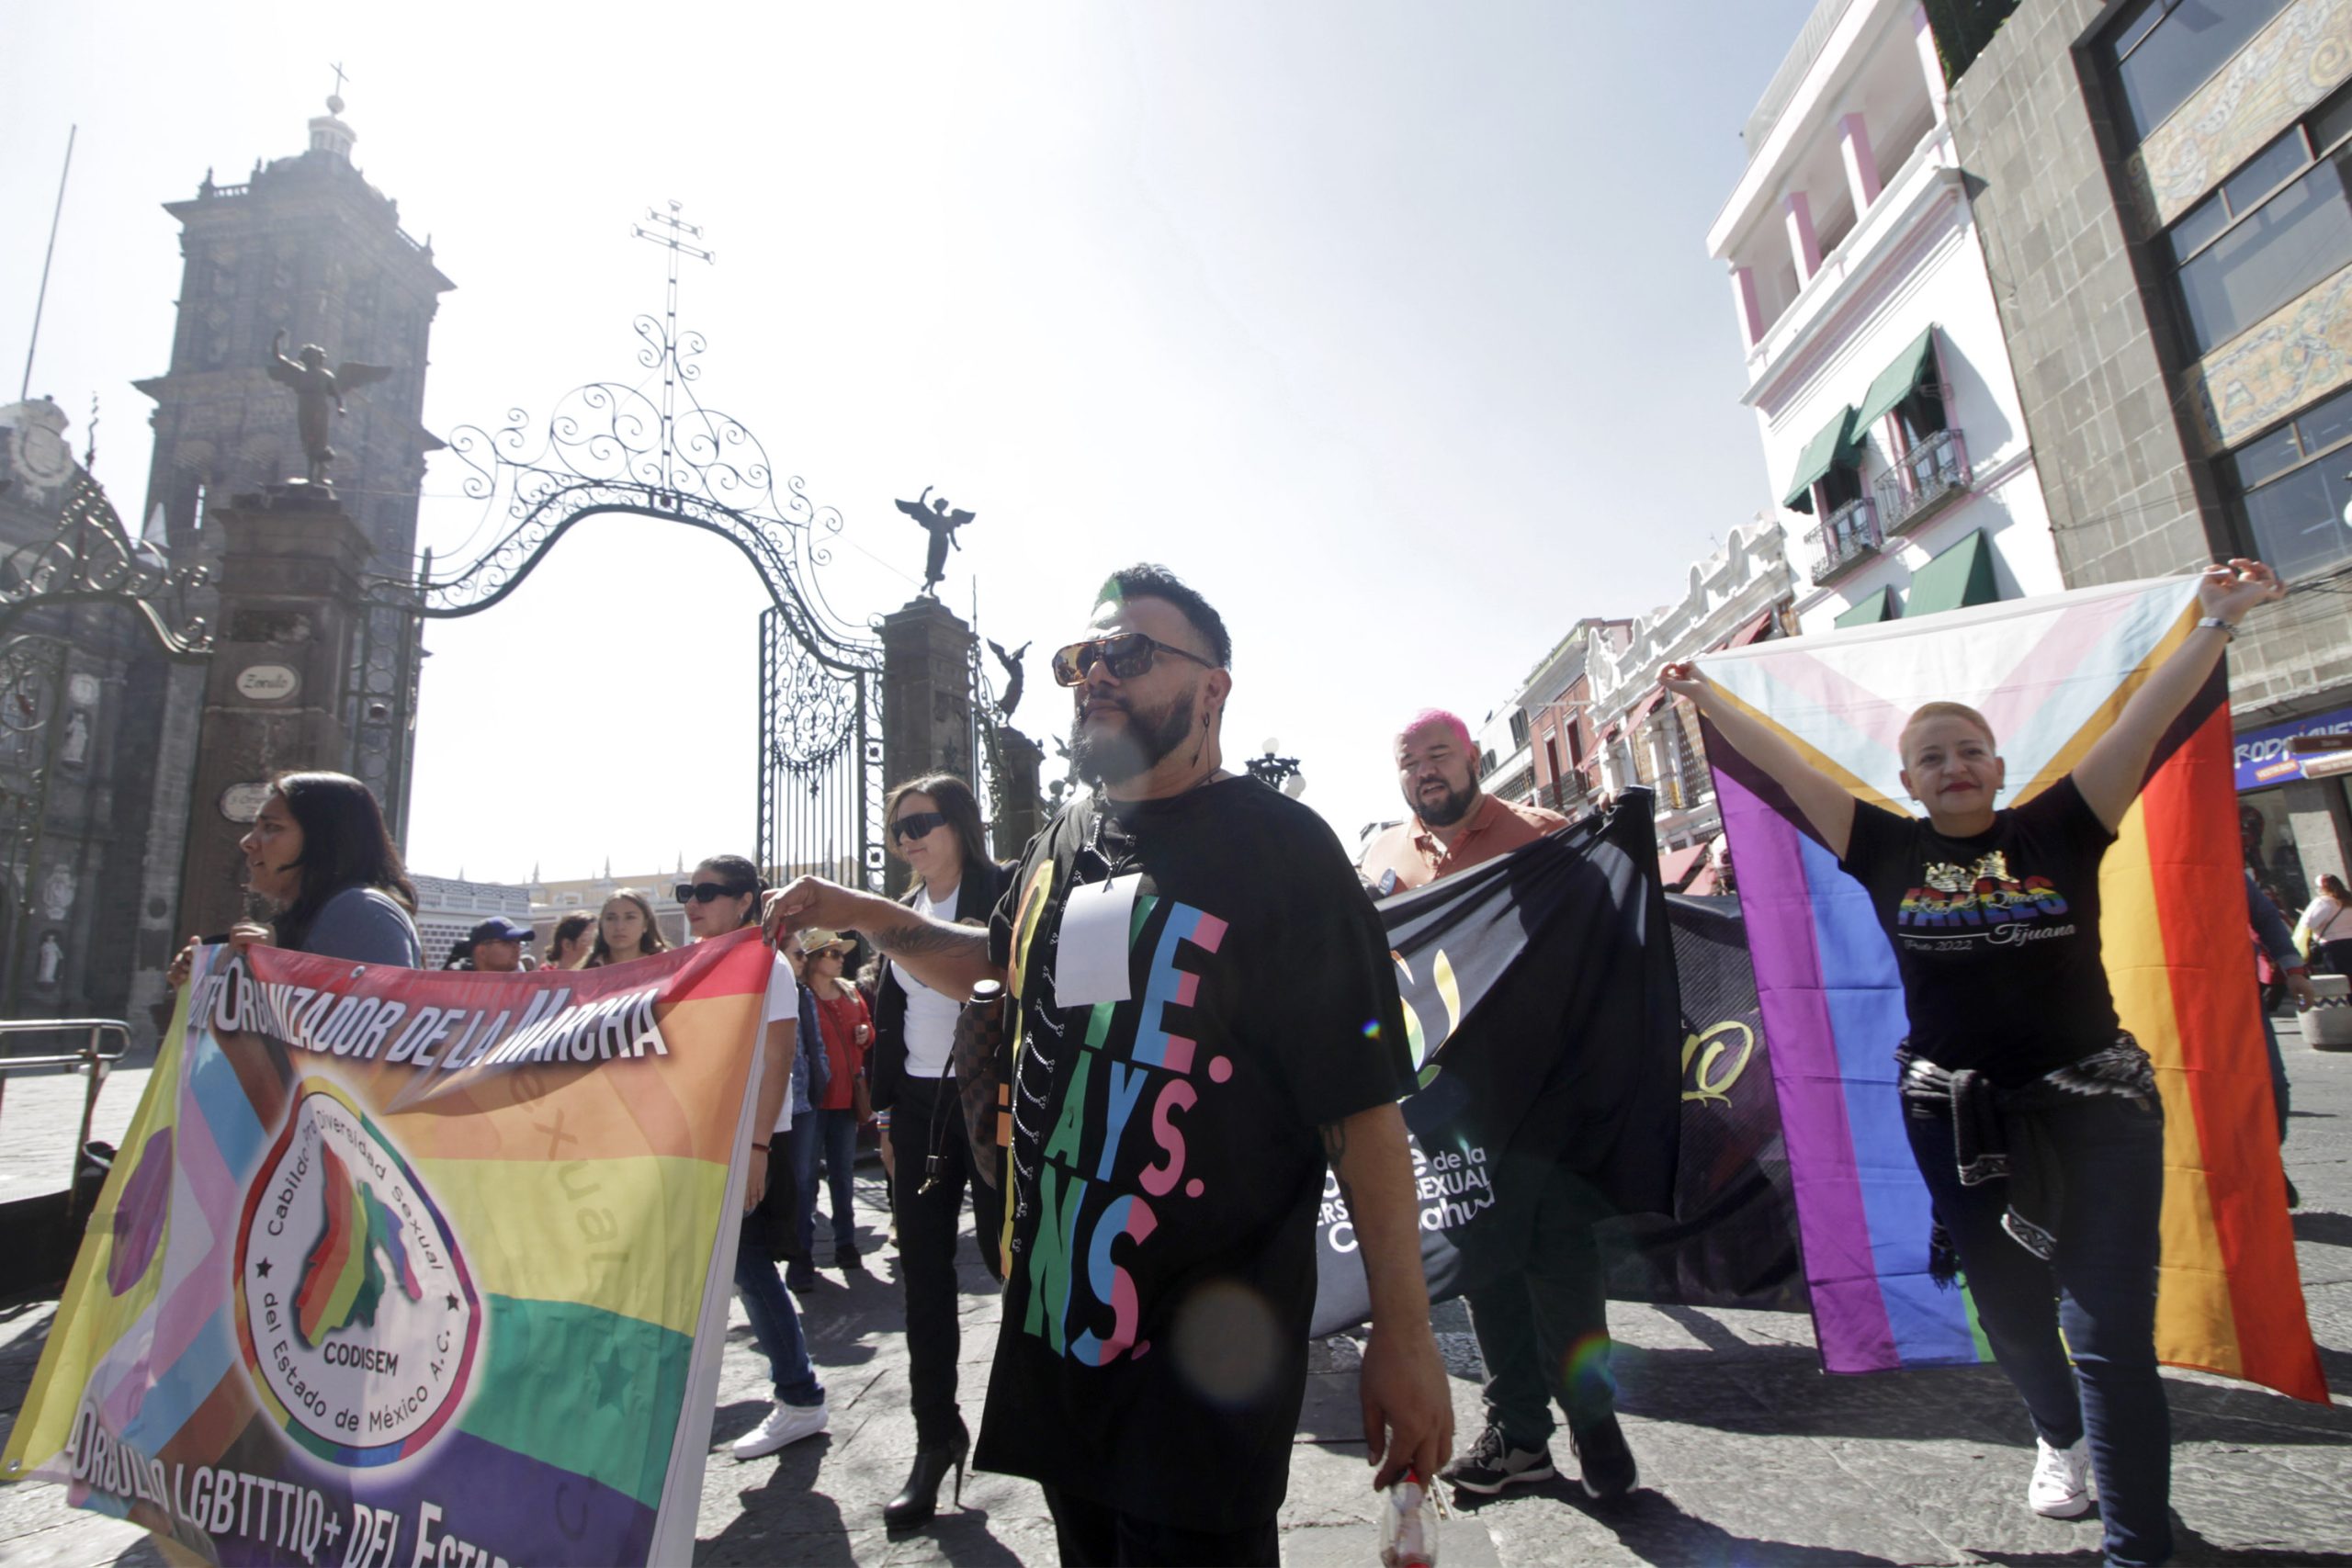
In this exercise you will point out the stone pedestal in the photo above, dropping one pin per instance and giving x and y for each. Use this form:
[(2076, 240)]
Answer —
[(274, 693), (926, 700), (1019, 811)]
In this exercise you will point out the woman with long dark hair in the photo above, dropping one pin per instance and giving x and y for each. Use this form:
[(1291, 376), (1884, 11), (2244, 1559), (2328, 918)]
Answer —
[(935, 829), (625, 928), (723, 897), (568, 944)]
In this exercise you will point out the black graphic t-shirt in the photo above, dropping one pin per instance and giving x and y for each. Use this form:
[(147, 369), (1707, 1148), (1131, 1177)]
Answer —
[(1166, 1163), (1996, 935)]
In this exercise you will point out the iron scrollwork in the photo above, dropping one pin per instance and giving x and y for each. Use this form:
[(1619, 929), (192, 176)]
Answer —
[(93, 560), (613, 449)]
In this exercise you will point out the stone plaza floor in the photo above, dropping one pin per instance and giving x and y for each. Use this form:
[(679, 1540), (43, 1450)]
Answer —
[(1749, 1454)]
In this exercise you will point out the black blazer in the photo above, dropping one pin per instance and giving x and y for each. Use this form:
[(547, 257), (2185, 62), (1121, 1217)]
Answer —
[(976, 900)]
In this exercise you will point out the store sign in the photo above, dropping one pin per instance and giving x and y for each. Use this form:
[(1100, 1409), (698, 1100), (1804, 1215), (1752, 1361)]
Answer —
[(2264, 757)]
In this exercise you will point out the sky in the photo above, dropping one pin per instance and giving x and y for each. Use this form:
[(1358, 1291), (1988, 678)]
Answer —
[(1388, 326)]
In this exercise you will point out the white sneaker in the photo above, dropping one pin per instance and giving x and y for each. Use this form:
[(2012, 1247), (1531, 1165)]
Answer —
[(2061, 1488), (785, 1425)]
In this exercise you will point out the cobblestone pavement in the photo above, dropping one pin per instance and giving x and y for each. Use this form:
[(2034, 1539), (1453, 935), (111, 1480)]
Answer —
[(1749, 1454)]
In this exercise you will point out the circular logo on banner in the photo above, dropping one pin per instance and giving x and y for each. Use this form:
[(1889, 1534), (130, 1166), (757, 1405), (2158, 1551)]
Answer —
[(355, 1309), (268, 683)]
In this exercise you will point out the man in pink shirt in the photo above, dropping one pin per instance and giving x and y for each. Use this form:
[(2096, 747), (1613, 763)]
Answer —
[(1554, 1315), (1456, 824)]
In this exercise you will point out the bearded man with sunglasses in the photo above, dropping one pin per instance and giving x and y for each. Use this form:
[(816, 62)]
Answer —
[(1208, 1014)]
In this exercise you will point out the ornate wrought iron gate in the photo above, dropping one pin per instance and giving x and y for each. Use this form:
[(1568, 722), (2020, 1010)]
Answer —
[(655, 451)]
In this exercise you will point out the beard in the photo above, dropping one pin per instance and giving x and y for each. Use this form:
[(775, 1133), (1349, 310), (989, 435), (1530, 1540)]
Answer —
[(1449, 808), (1114, 756)]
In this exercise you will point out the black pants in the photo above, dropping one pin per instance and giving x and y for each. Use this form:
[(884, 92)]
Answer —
[(928, 1120), (1543, 1332), (1092, 1535)]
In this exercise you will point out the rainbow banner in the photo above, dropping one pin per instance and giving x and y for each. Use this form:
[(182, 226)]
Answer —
[(401, 1266), (2049, 674)]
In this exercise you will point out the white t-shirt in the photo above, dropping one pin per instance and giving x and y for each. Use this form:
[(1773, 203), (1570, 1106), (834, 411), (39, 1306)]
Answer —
[(784, 1003), (930, 1027)]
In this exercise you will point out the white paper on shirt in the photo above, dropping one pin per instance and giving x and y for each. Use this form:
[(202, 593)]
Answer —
[(1091, 959)]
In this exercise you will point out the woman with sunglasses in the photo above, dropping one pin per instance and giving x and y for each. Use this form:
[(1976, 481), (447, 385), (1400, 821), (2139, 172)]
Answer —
[(624, 930), (935, 830), (830, 1130), (725, 896)]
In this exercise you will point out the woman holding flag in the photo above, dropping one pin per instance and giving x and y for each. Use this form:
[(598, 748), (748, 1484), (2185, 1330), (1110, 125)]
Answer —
[(2016, 1068)]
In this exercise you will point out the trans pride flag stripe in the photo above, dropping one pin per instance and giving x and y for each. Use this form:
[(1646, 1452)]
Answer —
[(2049, 674)]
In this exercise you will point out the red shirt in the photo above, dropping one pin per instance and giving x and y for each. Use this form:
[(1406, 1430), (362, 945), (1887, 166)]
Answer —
[(837, 1021), (1494, 829)]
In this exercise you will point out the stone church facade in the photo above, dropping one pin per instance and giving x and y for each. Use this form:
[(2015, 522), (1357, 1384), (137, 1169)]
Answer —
[(305, 246)]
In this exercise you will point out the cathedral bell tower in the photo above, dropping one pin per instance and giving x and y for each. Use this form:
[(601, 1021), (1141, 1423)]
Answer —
[(307, 247)]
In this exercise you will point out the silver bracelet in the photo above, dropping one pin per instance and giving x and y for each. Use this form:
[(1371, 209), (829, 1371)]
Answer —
[(2220, 626)]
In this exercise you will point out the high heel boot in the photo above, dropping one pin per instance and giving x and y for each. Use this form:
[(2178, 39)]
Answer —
[(919, 1499)]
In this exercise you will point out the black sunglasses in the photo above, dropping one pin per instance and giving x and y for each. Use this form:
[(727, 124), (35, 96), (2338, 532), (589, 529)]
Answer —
[(917, 824), (1127, 656), (708, 892)]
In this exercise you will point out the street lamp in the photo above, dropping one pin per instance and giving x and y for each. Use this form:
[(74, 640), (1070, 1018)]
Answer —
[(1277, 771)]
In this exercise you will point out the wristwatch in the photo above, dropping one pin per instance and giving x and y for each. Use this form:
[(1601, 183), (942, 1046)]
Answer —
[(2220, 626)]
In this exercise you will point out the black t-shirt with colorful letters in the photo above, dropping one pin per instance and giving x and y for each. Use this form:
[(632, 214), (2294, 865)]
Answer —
[(1996, 935), (1166, 1161)]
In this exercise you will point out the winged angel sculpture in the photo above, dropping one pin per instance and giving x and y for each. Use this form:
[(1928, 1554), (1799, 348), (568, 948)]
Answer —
[(316, 388), (941, 523)]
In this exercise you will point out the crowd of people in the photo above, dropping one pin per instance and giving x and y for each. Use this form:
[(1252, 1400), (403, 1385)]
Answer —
[(1151, 1218)]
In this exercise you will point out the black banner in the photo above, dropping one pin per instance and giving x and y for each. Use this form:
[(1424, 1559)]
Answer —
[(1554, 1029), (1541, 1004), (1730, 1240)]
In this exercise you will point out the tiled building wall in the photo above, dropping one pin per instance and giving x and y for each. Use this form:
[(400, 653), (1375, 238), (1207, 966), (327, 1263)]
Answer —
[(2116, 425)]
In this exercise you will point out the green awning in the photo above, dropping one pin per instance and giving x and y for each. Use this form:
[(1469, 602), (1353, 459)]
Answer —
[(1959, 577), (1879, 606), (1833, 448), (1913, 366)]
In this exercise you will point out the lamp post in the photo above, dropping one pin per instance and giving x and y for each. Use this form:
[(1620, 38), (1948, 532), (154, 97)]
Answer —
[(1277, 771)]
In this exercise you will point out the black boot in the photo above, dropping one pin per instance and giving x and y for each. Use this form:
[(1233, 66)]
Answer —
[(919, 1499)]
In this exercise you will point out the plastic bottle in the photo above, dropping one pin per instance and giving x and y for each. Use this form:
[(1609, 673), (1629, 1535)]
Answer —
[(1408, 1525)]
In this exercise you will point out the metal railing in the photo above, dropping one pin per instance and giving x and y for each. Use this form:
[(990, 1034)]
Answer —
[(1849, 535), (93, 1058), (1932, 472), (1791, 75)]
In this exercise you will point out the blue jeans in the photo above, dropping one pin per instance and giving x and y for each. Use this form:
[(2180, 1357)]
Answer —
[(2100, 1289), (832, 1134), (776, 1323)]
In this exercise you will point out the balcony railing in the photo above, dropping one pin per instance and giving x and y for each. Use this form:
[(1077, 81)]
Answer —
[(1931, 474), (1849, 535)]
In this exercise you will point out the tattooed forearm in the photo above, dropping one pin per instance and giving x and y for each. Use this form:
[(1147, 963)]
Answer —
[(928, 938)]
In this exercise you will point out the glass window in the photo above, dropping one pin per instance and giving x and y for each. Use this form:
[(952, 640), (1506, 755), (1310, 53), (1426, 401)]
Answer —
[(2331, 122), (2283, 247), (1921, 415), (2269, 170), (2297, 522), (2267, 833), (2328, 423), (2158, 64), (2196, 227), (2267, 458)]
